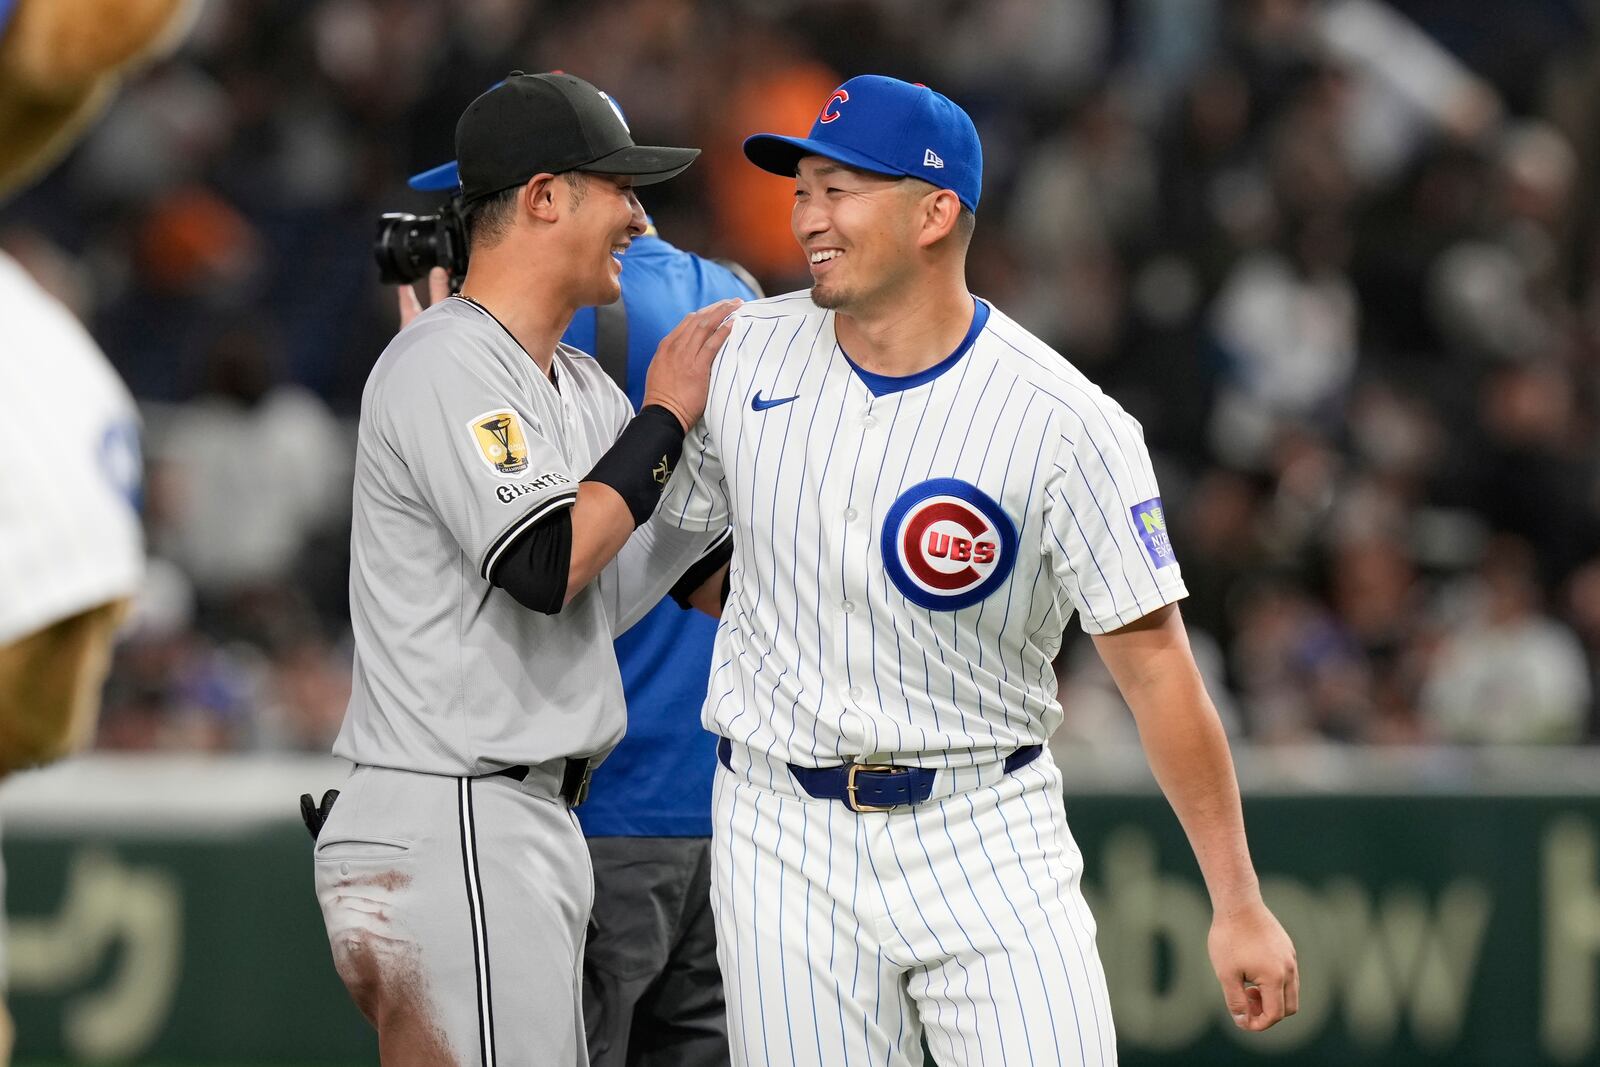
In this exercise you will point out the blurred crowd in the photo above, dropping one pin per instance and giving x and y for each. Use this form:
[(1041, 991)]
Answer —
[(1340, 257)]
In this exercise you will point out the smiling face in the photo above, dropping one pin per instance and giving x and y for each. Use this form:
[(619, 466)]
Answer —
[(602, 216), (858, 230)]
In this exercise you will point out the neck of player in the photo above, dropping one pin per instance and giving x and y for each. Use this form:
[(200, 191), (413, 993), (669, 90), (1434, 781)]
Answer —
[(531, 306), (910, 331)]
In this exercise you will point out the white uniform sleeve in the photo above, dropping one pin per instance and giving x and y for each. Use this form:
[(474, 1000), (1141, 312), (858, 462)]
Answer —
[(648, 566), (697, 496), (478, 458), (1105, 531), (69, 441)]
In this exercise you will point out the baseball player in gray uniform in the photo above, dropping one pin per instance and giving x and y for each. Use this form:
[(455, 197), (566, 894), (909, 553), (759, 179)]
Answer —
[(498, 474)]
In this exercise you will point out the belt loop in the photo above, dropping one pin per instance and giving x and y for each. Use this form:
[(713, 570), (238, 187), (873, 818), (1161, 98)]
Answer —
[(575, 780)]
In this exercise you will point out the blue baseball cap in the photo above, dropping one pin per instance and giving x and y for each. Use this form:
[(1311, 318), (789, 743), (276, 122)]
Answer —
[(446, 177), (886, 126)]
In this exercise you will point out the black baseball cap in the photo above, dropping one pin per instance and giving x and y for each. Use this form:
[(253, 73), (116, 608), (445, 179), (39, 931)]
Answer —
[(550, 124)]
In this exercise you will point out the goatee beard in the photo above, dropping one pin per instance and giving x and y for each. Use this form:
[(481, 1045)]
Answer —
[(824, 298)]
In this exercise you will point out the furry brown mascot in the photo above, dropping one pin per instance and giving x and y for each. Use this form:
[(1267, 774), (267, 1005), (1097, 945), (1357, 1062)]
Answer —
[(60, 64)]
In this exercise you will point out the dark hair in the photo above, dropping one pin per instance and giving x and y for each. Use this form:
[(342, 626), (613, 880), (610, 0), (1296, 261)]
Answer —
[(579, 187), (489, 219), (966, 222)]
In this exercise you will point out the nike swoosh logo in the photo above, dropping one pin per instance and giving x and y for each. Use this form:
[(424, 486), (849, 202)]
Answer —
[(758, 404)]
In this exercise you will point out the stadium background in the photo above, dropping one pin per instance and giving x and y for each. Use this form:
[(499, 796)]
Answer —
[(1342, 260)]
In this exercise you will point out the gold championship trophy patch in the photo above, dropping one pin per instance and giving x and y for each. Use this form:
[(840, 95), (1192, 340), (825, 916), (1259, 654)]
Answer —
[(501, 442)]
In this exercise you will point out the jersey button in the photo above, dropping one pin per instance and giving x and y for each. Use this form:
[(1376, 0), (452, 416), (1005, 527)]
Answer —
[(869, 421), (847, 607), (855, 692), (850, 514)]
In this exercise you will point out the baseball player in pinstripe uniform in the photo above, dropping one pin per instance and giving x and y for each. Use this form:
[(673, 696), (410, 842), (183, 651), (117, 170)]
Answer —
[(922, 494), (498, 475)]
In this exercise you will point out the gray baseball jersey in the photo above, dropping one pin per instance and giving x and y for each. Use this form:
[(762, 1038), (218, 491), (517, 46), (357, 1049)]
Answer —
[(464, 444)]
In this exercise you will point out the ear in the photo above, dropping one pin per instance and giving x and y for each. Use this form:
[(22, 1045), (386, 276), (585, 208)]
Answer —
[(539, 199), (940, 210)]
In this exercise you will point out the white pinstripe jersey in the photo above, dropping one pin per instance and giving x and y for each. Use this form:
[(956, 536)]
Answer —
[(69, 465), (908, 551)]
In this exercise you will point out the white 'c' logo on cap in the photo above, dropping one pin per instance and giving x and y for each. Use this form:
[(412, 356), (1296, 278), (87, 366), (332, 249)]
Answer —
[(615, 109)]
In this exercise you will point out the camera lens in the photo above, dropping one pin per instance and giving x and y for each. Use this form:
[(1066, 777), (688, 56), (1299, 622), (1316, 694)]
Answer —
[(407, 246)]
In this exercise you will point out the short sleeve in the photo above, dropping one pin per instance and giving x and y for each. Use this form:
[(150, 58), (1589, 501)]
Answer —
[(1105, 529), (697, 496), (476, 452)]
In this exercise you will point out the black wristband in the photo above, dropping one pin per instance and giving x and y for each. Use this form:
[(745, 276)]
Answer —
[(641, 461)]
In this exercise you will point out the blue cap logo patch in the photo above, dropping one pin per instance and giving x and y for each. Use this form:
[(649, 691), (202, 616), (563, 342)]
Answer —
[(1151, 523)]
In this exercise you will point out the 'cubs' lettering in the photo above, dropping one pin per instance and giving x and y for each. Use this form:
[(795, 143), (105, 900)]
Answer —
[(958, 549)]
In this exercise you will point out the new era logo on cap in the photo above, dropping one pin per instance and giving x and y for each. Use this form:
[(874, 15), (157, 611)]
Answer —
[(893, 127)]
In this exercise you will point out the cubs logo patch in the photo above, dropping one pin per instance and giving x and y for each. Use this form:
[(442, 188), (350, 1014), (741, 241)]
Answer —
[(946, 544), (501, 442)]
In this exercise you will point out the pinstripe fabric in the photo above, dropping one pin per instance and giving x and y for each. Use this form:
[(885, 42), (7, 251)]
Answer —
[(907, 557), (69, 432), (821, 654), (845, 938)]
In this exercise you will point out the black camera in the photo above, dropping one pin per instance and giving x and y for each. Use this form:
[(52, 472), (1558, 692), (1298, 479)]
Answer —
[(408, 246)]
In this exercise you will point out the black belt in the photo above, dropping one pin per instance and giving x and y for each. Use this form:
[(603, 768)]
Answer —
[(574, 779), (874, 786)]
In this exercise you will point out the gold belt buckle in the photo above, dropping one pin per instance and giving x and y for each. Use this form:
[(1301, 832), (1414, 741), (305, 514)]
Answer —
[(850, 785)]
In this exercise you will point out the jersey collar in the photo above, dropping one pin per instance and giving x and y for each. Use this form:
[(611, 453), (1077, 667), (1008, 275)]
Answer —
[(884, 384)]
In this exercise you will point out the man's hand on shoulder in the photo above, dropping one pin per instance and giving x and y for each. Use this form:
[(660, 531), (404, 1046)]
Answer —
[(680, 373)]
